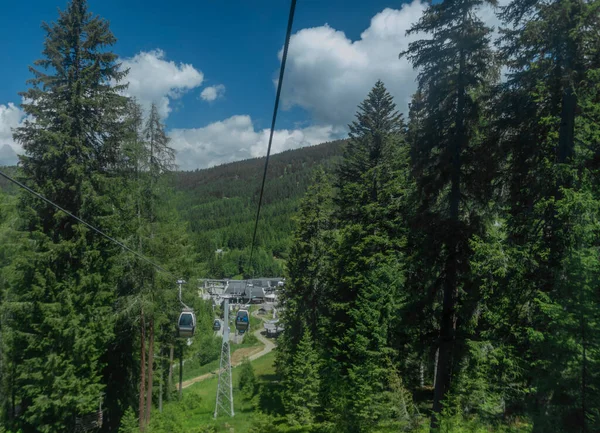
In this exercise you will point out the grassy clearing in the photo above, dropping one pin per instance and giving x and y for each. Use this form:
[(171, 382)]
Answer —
[(194, 414), (192, 367)]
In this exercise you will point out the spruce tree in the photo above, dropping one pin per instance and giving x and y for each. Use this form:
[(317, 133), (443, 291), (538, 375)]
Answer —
[(70, 143), (304, 294), (247, 381), (302, 384), (454, 64), (367, 261), (377, 122), (548, 135), (157, 233), (161, 156)]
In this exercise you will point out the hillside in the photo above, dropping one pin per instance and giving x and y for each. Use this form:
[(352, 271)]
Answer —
[(219, 206)]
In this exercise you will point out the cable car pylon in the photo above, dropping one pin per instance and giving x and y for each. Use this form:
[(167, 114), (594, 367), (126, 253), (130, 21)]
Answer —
[(225, 387)]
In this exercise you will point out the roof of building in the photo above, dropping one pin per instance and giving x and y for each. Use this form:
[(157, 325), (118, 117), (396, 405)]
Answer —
[(236, 287), (243, 288)]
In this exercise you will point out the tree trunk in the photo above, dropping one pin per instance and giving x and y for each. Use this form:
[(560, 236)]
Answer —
[(435, 365), (160, 395), (448, 322), (142, 370), (13, 393), (566, 136), (181, 372), (150, 371), (170, 379)]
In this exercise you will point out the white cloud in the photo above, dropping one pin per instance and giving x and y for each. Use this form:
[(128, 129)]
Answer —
[(11, 116), (329, 74), (235, 138), (213, 92), (153, 79)]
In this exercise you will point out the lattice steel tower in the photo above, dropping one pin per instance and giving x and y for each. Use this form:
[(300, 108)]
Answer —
[(225, 387)]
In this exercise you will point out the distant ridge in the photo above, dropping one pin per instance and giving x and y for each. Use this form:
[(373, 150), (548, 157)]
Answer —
[(253, 167)]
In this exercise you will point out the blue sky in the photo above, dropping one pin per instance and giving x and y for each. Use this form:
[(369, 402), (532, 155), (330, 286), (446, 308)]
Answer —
[(228, 51)]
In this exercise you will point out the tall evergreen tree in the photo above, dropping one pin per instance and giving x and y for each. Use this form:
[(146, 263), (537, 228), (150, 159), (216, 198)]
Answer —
[(546, 133), (453, 65), (304, 294), (64, 293), (161, 156), (367, 261), (157, 233), (302, 385)]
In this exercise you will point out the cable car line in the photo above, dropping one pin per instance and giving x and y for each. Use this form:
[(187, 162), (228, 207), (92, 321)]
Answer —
[(180, 282), (277, 96), (242, 320), (100, 232)]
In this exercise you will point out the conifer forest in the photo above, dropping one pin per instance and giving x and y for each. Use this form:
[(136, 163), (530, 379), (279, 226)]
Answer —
[(441, 266)]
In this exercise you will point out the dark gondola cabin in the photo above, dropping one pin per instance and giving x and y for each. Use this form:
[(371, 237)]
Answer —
[(242, 321), (186, 326), (217, 325)]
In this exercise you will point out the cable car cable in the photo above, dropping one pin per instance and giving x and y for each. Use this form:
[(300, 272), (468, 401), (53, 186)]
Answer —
[(100, 232), (277, 96), (180, 299)]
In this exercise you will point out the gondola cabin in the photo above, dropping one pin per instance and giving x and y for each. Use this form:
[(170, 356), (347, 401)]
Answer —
[(242, 321), (186, 326), (217, 325)]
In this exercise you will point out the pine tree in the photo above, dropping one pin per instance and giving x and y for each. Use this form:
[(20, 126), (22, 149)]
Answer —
[(158, 234), (247, 381), (377, 121), (307, 267), (302, 385), (367, 261), (162, 157), (10, 247), (70, 143), (547, 113), (129, 422), (453, 65)]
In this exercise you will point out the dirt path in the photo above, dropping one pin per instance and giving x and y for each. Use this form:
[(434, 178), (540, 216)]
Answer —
[(238, 356)]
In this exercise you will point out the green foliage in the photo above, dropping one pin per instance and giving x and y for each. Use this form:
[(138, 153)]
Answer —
[(307, 268), (250, 340), (247, 381), (263, 424), (62, 287), (452, 261), (343, 270), (129, 422), (551, 207), (302, 383), (452, 169), (367, 267), (402, 411)]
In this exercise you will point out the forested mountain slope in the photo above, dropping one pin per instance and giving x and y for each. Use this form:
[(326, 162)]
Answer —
[(219, 206)]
